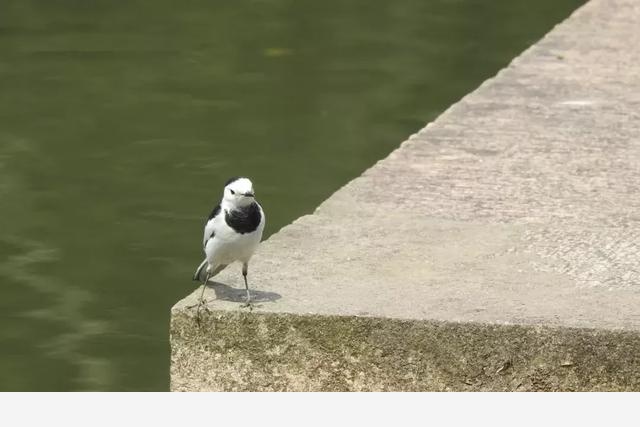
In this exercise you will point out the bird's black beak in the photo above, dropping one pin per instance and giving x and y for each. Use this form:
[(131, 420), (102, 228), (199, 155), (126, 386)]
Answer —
[(249, 195)]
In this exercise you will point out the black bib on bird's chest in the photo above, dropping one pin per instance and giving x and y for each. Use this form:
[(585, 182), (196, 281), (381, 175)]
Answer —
[(243, 220)]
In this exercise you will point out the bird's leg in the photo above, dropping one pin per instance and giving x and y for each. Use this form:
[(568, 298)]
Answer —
[(201, 300), (245, 268)]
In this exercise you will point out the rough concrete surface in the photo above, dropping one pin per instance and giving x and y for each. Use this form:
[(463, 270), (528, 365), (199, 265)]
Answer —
[(496, 249)]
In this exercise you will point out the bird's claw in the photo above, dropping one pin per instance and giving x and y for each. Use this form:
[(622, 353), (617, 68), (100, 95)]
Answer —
[(248, 305), (201, 304)]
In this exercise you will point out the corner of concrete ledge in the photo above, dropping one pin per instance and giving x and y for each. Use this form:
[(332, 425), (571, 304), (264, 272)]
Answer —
[(517, 268)]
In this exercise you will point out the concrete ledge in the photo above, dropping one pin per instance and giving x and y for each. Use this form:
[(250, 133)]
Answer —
[(236, 351), (497, 249)]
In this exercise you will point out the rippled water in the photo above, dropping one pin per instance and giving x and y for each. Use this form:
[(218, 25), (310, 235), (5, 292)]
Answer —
[(120, 120)]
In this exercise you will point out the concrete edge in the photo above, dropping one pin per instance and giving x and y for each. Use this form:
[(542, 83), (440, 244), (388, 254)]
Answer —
[(241, 351)]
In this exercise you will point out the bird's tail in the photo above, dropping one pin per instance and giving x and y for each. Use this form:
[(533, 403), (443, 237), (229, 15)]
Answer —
[(201, 272)]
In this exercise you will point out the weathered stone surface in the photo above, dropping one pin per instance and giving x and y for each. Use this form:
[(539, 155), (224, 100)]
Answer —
[(508, 229), (236, 351)]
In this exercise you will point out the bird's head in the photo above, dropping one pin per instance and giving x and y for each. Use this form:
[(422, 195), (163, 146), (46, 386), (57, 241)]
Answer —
[(238, 192)]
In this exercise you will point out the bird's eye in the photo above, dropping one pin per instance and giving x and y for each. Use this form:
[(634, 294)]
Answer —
[(232, 192)]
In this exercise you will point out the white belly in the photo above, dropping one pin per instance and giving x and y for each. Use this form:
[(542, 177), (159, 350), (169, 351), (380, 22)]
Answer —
[(228, 247)]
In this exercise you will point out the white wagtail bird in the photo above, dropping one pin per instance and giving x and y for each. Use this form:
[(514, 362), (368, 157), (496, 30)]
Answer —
[(232, 232)]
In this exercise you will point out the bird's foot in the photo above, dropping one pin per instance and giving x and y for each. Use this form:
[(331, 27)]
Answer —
[(201, 303), (250, 305)]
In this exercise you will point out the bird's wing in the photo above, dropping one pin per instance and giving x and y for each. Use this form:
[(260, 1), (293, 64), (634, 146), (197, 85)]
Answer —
[(263, 218), (209, 227), (209, 231)]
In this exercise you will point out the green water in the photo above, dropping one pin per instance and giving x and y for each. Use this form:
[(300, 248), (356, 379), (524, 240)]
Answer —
[(120, 120)]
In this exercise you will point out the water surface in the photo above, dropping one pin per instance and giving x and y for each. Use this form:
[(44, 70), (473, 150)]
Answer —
[(120, 120)]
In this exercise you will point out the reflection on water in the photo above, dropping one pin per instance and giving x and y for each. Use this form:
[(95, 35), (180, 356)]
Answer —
[(23, 271), (64, 307), (119, 121)]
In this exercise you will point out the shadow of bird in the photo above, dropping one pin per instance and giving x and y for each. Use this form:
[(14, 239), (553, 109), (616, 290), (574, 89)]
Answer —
[(227, 293)]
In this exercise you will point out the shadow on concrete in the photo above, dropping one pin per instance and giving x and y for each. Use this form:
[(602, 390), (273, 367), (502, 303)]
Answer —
[(227, 293)]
